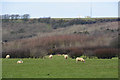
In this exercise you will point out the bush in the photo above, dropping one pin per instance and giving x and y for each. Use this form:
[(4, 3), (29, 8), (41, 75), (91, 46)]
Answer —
[(17, 53), (89, 53), (115, 43), (58, 51), (38, 53), (106, 53), (21, 30), (75, 52)]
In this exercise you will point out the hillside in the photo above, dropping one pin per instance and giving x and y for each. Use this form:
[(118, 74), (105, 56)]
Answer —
[(37, 39), (18, 29)]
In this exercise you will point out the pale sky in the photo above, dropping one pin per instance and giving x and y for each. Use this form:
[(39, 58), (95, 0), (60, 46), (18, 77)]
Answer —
[(60, 0), (61, 8)]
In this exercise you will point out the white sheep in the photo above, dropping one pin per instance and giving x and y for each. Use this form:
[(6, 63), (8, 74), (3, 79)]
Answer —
[(58, 54), (20, 61), (50, 56), (65, 56), (79, 59), (7, 56)]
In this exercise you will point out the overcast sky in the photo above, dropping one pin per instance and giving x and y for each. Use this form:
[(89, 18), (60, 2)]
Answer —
[(61, 9)]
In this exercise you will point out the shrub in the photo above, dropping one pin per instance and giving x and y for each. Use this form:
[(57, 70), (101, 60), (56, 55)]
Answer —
[(115, 43), (106, 53), (16, 53), (89, 54), (58, 51), (75, 52), (21, 30), (37, 53)]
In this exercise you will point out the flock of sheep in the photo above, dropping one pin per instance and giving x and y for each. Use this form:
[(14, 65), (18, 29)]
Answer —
[(51, 56), (66, 56), (20, 61)]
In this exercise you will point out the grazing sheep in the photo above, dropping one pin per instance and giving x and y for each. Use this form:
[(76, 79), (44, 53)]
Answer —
[(65, 56), (51, 56), (2, 42), (79, 59), (58, 54), (20, 61), (7, 56)]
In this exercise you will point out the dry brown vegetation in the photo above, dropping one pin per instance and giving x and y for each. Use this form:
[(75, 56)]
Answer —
[(41, 46), (74, 40), (18, 29)]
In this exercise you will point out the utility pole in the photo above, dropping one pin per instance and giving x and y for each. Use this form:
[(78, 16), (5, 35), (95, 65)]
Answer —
[(91, 9)]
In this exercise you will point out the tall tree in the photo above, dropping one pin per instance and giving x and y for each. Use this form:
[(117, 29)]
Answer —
[(6, 16), (17, 16), (26, 17), (12, 16)]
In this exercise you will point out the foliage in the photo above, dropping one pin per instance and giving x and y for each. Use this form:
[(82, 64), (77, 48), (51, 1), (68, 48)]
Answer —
[(76, 52), (106, 53)]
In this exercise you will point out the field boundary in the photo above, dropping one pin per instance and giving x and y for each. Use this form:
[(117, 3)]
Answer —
[(60, 79)]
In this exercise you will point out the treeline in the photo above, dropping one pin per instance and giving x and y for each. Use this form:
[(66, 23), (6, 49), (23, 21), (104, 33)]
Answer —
[(100, 53), (54, 22), (6, 17), (104, 52), (73, 45)]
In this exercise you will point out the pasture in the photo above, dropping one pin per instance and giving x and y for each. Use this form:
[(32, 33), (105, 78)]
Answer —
[(58, 67)]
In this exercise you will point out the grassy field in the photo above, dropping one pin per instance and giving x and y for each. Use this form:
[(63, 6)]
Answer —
[(58, 67)]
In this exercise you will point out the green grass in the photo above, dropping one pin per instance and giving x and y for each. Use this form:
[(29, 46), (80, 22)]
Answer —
[(58, 67)]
